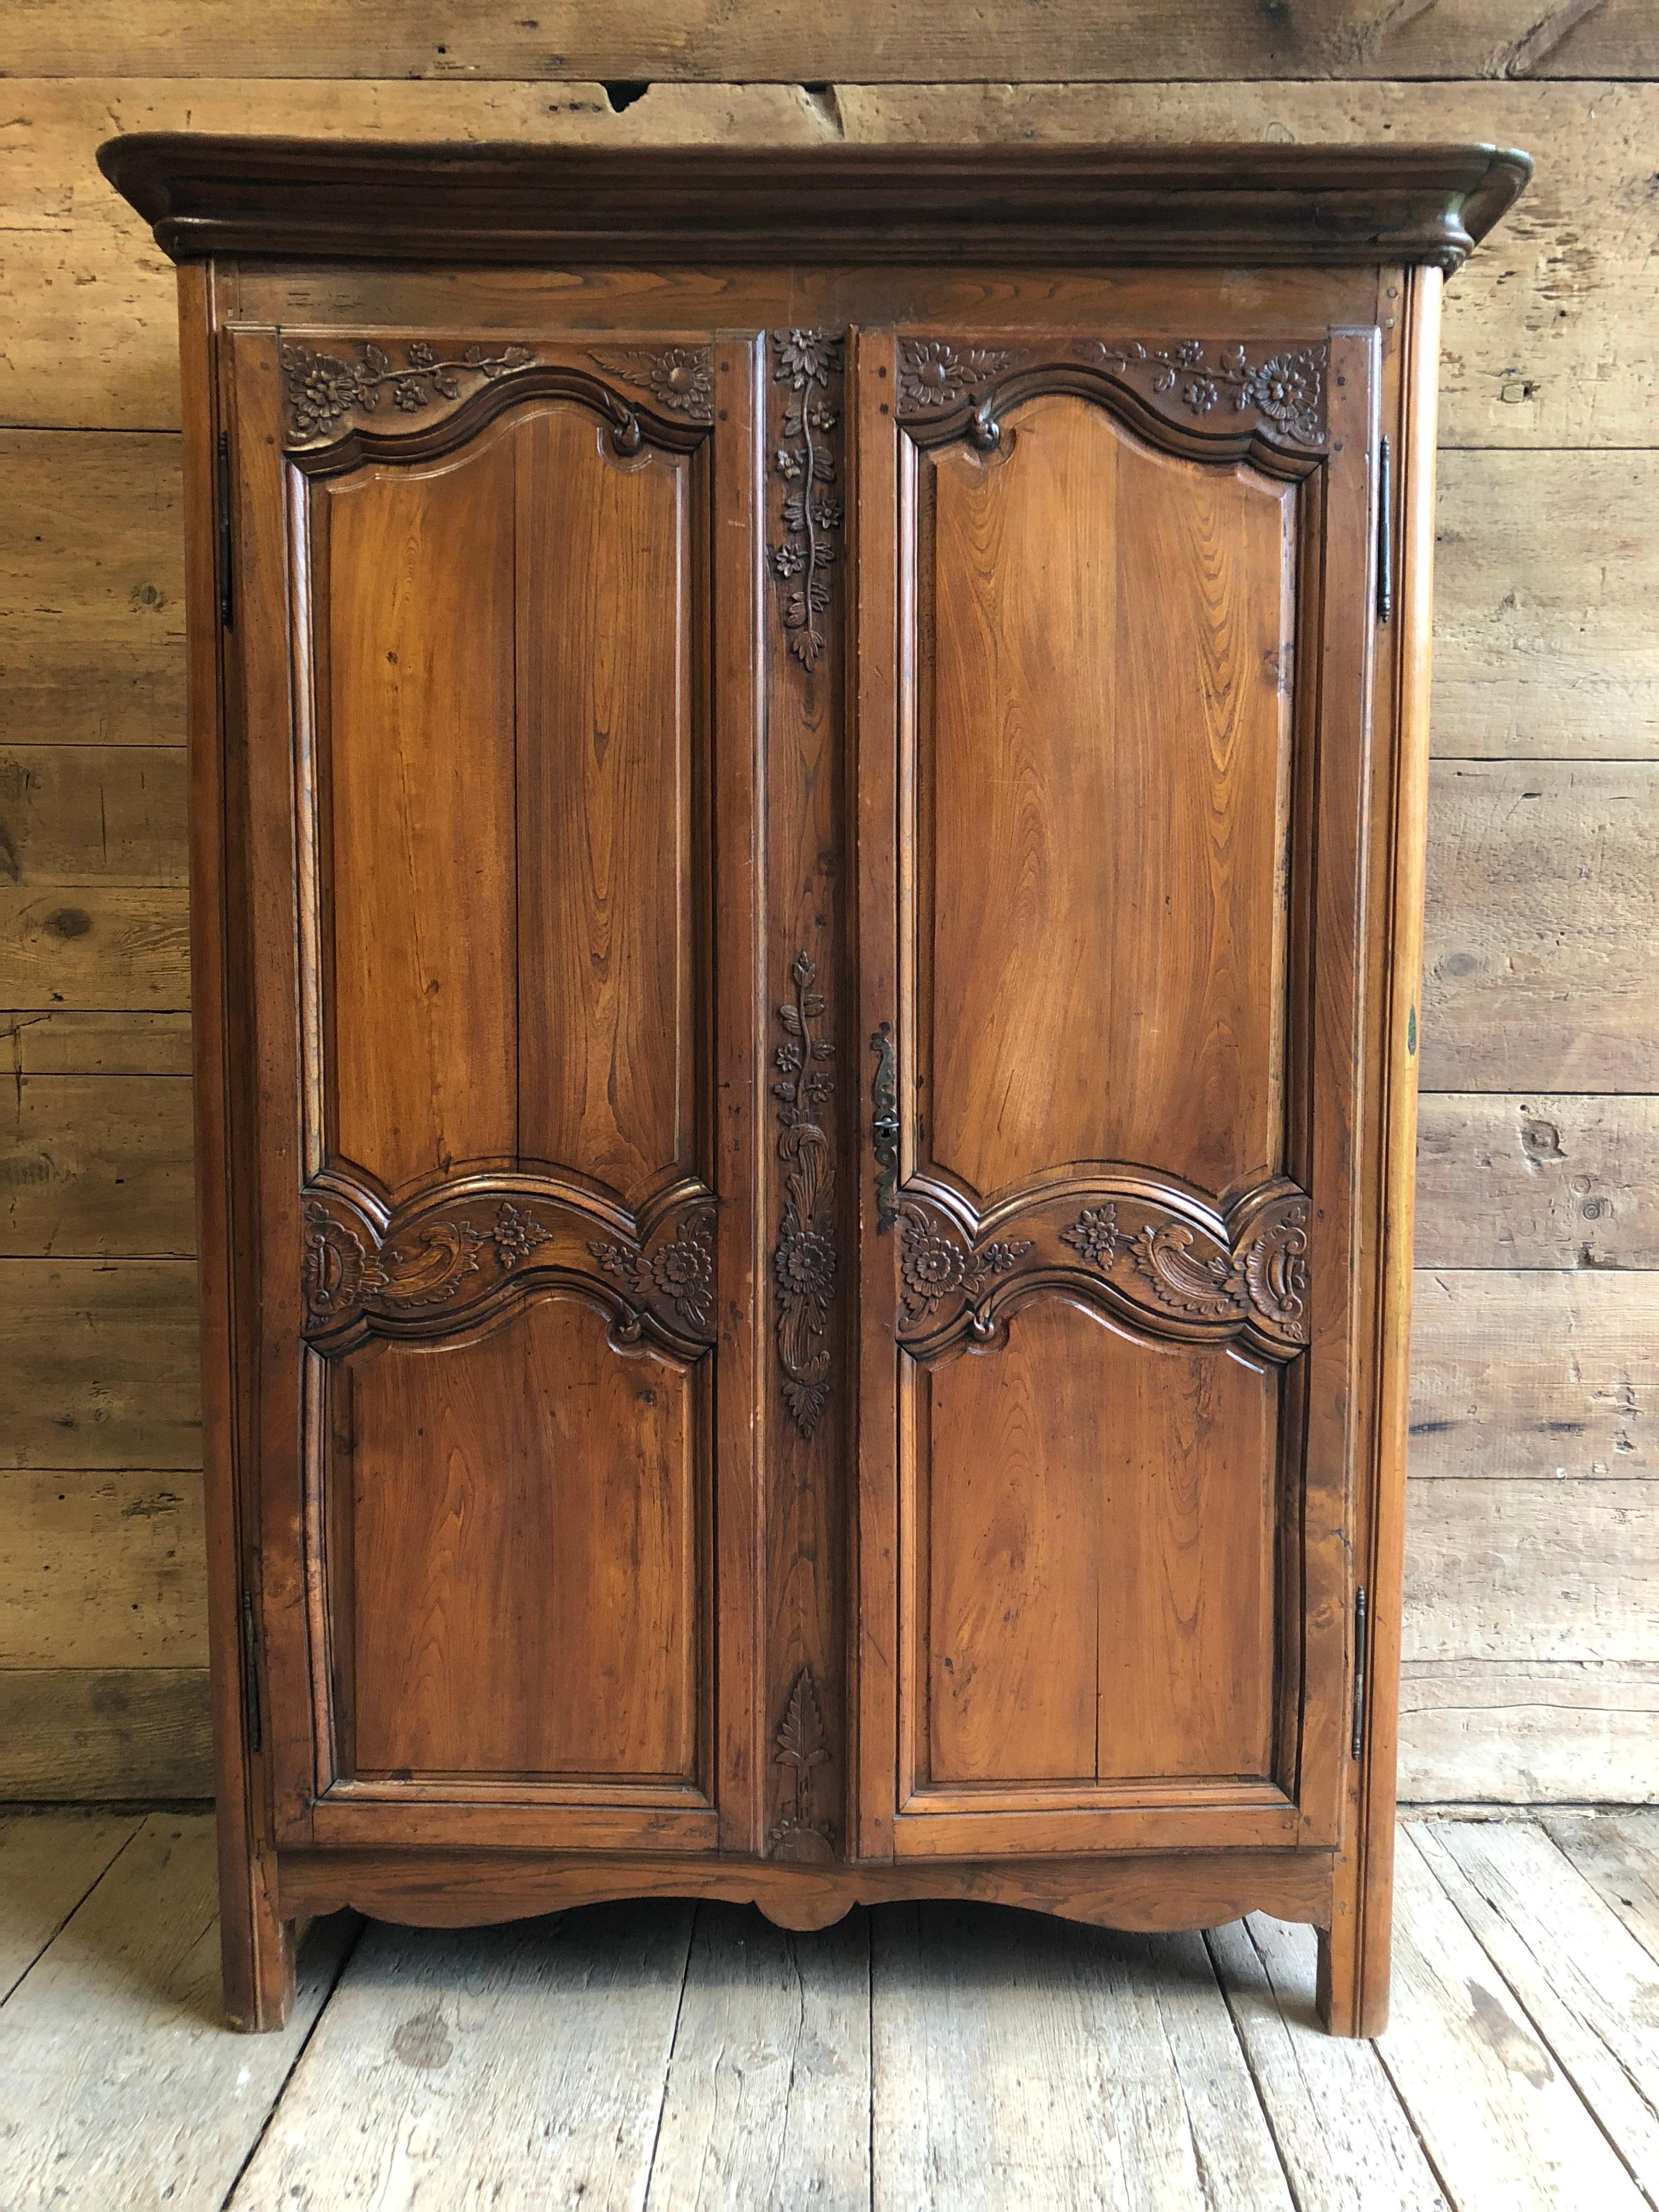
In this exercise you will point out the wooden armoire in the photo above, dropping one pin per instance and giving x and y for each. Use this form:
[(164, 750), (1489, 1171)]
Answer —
[(808, 777)]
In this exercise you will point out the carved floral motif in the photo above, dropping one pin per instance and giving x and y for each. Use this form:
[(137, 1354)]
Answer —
[(679, 378), (935, 1264), (680, 1271), (803, 362), (804, 1262), (322, 387), (516, 1235), (935, 375), (802, 1744), (1288, 390)]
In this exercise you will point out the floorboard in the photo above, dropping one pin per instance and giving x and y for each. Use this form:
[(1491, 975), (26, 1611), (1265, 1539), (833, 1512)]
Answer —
[(670, 2058)]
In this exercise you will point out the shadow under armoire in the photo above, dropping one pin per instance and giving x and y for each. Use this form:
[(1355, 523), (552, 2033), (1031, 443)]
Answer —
[(808, 778)]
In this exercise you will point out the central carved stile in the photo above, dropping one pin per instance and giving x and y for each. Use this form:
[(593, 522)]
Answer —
[(804, 1263)]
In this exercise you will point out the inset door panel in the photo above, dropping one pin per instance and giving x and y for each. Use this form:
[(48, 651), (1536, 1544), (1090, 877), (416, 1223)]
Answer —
[(511, 792), (1094, 1524), (1104, 640), (517, 1527)]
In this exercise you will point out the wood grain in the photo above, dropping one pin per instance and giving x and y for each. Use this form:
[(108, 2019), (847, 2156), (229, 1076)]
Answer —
[(969, 2111), (102, 1366), (1538, 1375), (89, 1733), (416, 635), (1147, 942), (92, 813), (91, 592), (101, 1569), (1494, 2113), (97, 1165), (1542, 902), (762, 2011), (544, 2046), (610, 579), (522, 1592), (48, 1042), (1588, 1985), (142, 1951), (1093, 1614), (1618, 1854), (48, 1862), (1514, 1570), (674, 39), (1529, 1733), (1551, 1180)]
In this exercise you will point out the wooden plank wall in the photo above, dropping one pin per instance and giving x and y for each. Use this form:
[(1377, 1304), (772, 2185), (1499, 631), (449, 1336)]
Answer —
[(1531, 1656)]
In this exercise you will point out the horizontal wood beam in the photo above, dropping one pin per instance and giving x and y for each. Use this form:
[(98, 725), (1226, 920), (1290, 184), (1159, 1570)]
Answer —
[(686, 39)]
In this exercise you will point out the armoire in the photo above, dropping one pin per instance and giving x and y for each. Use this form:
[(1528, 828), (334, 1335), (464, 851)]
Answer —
[(807, 773)]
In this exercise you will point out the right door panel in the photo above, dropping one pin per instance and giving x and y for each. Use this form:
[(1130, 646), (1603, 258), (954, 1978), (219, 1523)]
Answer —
[(1108, 1452)]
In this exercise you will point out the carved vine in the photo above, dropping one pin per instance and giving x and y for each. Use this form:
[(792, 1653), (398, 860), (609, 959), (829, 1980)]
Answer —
[(802, 1745), (805, 363), (1287, 389), (323, 387), (679, 378), (935, 1264), (1287, 392), (681, 1271), (804, 1263)]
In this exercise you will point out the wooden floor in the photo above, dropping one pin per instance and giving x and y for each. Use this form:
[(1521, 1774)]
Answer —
[(662, 2055)]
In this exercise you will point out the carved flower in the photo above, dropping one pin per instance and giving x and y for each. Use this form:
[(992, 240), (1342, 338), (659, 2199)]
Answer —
[(681, 380), (805, 1264), (320, 389), (932, 1268), (408, 394), (1094, 1235), (1285, 389), (1201, 395), (683, 1273), (805, 357), (516, 1236), (934, 373)]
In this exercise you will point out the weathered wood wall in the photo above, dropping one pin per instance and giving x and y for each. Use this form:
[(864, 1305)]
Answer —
[(1532, 1659)]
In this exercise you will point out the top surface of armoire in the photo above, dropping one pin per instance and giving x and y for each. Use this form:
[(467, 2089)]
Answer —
[(807, 781)]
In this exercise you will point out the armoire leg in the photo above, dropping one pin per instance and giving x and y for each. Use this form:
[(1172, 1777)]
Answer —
[(1352, 1989), (256, 1946)]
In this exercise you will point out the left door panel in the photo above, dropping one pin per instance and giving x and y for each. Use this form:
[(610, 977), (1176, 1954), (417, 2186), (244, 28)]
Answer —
[(476, 630)]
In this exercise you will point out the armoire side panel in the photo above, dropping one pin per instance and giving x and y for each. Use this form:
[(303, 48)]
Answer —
[(411, 619)]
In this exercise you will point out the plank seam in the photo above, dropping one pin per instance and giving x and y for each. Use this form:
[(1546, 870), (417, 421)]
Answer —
[(348, 1952), (6, 1995)]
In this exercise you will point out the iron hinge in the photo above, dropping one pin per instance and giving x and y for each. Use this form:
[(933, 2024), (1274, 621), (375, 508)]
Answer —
[(1384, 531), (226, 608), (251, 1673), (1361, 1628)]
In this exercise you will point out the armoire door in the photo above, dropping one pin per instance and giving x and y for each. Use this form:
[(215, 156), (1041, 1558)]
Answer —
[(1114, 639), (481, 596)]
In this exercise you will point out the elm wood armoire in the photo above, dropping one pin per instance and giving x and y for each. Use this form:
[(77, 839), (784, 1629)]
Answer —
[(808, 781)]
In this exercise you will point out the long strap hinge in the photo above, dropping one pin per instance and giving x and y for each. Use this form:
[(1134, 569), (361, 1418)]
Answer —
[(227, 605), (1361, 1630), (251, 1673)]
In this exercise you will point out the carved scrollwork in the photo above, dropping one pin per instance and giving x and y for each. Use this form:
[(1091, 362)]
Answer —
[(1154, 1253), (802, 1744), (442, 1260), (807, 364), (804, 1262), (323, 388), (1281, 396), (679, 378)]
